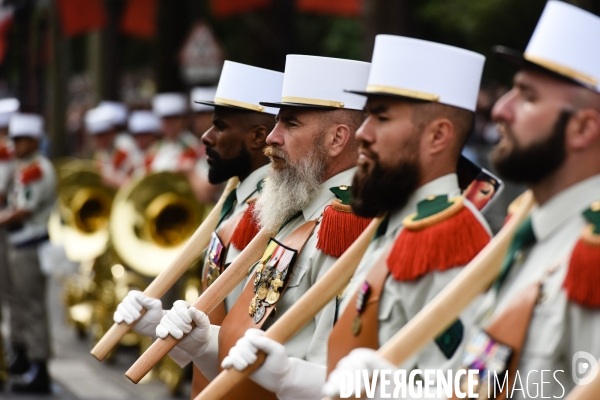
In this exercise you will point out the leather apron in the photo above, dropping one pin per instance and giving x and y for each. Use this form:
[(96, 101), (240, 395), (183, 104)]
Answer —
[(342, 339), (238, 320)]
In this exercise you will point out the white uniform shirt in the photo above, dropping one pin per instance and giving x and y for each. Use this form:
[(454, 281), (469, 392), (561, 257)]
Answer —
[(36, 195), (169, 154), (558, 328), (401, 301), (7, 166), (120, 161)]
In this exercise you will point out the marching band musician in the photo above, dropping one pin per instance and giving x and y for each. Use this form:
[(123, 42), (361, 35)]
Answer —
[(30, 201)]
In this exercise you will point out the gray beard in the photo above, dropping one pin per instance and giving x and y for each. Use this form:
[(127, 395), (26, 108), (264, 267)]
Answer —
[(289, 190)]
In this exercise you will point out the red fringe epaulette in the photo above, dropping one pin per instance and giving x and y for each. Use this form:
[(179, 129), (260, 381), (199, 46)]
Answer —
[(246, 229), (340, 227), (5, 153), (31, 173), (119, 158), (448, 239), (583, 277)]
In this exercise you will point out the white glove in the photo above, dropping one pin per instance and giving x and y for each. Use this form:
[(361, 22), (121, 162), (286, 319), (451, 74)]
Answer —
[(129, 310), (288, 377), (358, 359), (178, 321)]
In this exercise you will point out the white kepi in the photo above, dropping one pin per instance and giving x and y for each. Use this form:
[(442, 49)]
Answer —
[(8, 107), (170, 105), (202, 93), (144, 121), (243, 86), (26, 125), (564, 43), (319, 82), (416, 69)]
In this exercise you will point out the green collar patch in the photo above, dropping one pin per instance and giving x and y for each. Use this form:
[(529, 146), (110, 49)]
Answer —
[(431, 206), (343, 193), (592, 214)]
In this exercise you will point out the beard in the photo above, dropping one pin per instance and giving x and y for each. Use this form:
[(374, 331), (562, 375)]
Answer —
[(380, 189), (222, 169), (530, 165), (289, 188)]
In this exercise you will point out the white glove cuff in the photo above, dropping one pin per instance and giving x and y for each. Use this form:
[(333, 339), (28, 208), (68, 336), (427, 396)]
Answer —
[(208, 362), (303, 380)]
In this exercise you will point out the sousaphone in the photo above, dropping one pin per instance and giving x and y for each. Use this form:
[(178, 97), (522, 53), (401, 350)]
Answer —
[(151, 220), (80, 222)]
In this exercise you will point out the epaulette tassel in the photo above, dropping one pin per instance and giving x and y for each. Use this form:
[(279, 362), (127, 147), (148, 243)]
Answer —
[(451, 243), (246, 229), (340, 227), (583, 277)]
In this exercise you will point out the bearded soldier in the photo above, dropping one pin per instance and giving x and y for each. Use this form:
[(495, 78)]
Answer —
[(313, 153), (419, 113), (542, 311), (234, 148)]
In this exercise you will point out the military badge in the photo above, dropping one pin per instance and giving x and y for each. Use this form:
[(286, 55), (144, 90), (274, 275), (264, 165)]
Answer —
[(214, 256), (361, 301), (269, 278)]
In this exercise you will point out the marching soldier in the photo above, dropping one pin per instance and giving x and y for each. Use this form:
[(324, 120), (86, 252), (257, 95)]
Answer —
[(542, 311), (234, 147), (313, 153), (144, 127), (201, 113), (114, 152), (178, 149), (419, 113), (30, 202)]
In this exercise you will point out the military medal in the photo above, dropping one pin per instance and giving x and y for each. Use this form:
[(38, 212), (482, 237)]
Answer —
[(361, 300), (259, 314), (269, 278), (213, 259)]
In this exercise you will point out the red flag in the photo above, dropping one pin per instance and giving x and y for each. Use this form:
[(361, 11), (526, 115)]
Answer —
[(139, 18), (227, 8), (347, 8), (79, 16)]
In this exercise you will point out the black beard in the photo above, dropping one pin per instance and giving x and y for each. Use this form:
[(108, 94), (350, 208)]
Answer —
[(383, 190), (532, 164), (222, 169)]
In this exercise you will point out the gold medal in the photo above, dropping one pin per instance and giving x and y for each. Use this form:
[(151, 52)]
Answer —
[(261, 267), (262, 291), (253, 305), (356, 325), (272, 296), (214, 274)]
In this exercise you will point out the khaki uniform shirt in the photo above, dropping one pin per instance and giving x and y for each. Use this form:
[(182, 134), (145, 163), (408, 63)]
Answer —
[(558, 328), (34, 192), (401, 301)]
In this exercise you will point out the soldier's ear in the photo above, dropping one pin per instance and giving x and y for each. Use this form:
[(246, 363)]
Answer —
[(258, 137), (439, 135), (583, 129)]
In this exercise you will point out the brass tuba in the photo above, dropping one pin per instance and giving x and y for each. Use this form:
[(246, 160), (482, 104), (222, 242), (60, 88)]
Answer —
[(151, 220), (80, 222)]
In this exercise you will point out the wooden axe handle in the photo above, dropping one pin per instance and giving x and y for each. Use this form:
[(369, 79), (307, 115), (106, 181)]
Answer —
[(475, 278), (302, 312), (208, 300), (168, 276)]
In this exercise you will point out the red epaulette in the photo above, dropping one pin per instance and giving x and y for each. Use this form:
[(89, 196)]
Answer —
[(119, 158), (5, 153), (583, 276), (441, 236), (339, 228), (189, 153), (31, 173), (247, 228)]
